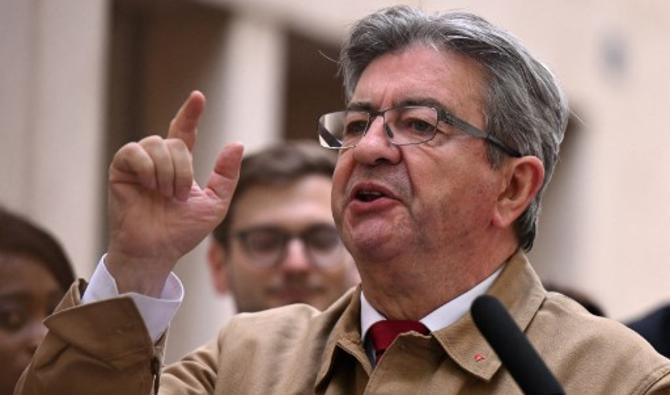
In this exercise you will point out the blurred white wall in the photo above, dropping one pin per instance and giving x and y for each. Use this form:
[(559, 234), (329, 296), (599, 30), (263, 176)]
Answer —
[(52, 99), (603, 227)]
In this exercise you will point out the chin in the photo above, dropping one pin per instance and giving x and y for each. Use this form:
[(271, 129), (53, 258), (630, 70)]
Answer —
[(376, 249), (372, 239)]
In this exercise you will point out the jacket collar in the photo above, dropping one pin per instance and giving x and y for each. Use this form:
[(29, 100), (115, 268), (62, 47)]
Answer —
[(517, 287), (345, 335), (441, 317)]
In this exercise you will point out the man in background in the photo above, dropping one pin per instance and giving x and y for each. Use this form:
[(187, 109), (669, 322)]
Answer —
[(278, 244)]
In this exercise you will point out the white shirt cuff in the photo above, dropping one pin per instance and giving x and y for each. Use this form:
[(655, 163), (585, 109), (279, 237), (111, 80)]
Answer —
[(156, 312)]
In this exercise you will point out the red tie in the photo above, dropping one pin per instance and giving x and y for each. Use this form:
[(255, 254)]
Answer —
[(382, 333)]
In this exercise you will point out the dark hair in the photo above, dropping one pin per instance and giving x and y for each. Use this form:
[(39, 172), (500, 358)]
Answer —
[(276, 165), (524, 106), (20, 236)]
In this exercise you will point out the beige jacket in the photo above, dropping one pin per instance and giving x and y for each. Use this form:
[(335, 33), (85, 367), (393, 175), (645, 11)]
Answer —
[(103, 348)]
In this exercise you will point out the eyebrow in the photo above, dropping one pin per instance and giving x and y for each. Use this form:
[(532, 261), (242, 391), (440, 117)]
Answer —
[(25, 297), (15, 297), (276, 227), (359, 106), (419, 101)]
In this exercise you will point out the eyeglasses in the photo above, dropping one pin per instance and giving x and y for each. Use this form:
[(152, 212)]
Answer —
[(266, 245), (404, 125)]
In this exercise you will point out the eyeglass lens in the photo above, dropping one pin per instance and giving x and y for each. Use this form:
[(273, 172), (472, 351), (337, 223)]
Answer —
[(267, 245), (403, 125)]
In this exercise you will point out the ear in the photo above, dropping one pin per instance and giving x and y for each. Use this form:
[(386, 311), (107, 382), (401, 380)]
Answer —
[(216, 260), (523, 178)]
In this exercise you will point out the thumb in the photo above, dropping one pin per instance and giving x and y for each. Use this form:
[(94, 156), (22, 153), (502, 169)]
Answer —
[(223, 180)]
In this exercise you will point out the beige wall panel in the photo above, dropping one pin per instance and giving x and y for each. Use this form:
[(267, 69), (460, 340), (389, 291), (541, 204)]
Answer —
[(58, 115)]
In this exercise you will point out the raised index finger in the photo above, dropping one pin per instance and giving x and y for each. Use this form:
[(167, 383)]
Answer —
[(184, 125)]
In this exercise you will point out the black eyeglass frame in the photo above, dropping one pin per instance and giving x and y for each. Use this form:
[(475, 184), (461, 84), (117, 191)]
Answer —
[(243, 235), (328, 140)]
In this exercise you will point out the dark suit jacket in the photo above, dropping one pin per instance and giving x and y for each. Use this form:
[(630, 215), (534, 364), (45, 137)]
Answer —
[(655, 327)]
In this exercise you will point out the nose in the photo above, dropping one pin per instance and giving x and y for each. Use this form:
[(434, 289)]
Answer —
[(36, 333), (296, 259), (375, 146)]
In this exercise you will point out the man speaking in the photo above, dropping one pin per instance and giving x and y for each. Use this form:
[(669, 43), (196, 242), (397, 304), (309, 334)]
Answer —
[(450, 134)]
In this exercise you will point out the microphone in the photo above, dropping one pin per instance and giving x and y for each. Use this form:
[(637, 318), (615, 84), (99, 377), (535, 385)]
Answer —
[(513, 348)]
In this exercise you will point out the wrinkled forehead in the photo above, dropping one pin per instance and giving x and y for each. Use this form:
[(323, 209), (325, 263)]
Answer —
[(423, 73), (294, 205)]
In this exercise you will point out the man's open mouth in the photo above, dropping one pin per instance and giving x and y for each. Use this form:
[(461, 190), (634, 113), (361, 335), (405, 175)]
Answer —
[(368, 196)]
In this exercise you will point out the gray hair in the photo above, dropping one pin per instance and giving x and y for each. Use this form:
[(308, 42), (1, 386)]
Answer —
[(524, 106)]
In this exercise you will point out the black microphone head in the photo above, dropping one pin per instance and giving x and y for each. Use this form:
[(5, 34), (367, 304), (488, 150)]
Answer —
[(512, 347)]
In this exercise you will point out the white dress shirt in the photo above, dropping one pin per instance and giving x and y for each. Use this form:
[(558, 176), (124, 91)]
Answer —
[(439, 318), (158, 312)]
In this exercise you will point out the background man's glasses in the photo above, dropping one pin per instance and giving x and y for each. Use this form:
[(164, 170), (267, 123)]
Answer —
[(266, 245), (404, 125)]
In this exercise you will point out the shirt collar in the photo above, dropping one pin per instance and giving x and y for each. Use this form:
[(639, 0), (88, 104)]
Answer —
[(516, 286), (439, 318)]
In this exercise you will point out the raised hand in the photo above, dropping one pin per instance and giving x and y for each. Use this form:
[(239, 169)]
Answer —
[(157, 212)]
